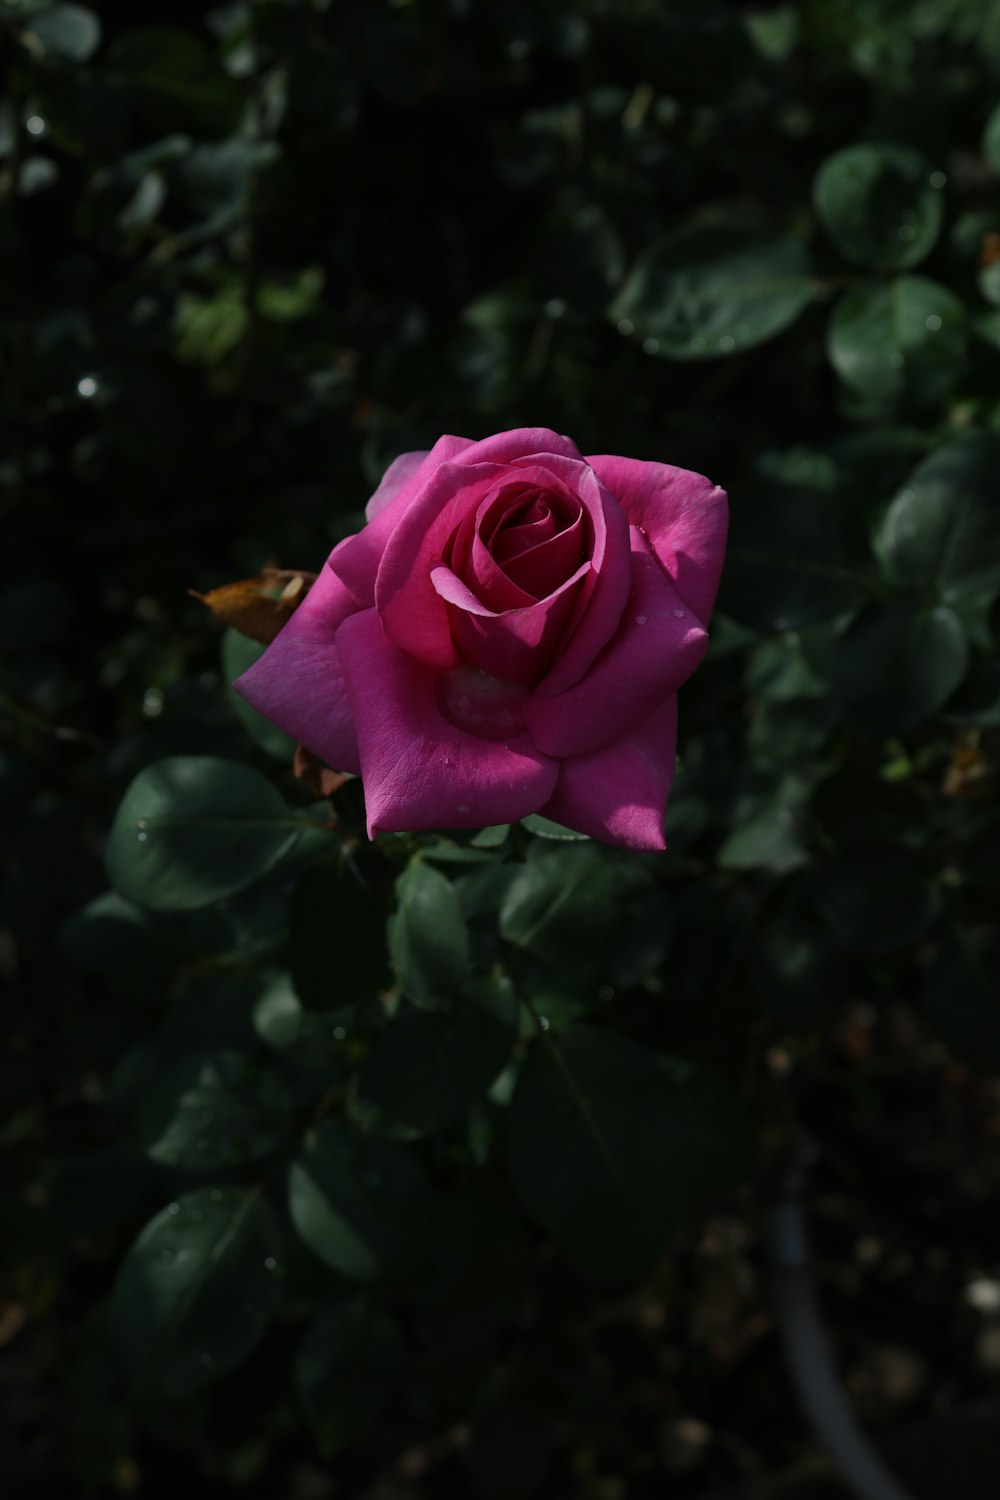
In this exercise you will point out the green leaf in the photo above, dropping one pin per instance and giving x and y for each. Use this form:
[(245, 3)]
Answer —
[(338, 953), (144, 205), (428, 937), (943, 528), (564, 902), (297, 297), (316, 1039), (711, 290), (963, 997), (610, 1143), (347, 1371), (215, 181), (897, 663), (196, 1290), (544, 828), (768, 831), (37, 173), (176, 81), (361, 1205), (238, 655), (208, 329), (791, 562), (212, 1110), (490, 838), (194, 829), (253, 917), (428, 1068), (111, 936), (898, 340), (775, 33), (988, 282), (879, 205), (991, 140), (978, 701), (278, 1015), (68, 31)]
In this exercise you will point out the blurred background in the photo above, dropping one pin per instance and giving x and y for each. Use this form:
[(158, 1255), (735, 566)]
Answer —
[(248, 254)]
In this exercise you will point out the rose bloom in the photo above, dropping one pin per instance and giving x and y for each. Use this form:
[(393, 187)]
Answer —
[(506, 636)]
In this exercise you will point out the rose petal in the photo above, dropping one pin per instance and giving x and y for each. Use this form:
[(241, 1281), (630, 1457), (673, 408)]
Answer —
[(684, 515), (483, 705), (537, 569), (536, 523), (605, 590), (520, 443), (480, 546), (419, 770), (516, 645), (413, 616), (297, 683), (355, 560), (495, 588), (658, 645), (411, 613), (399, 472), (619, 795)]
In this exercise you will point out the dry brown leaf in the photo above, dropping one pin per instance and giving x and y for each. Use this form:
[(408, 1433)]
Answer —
[(13, 1316), (973, 766), (259, 607), (318, 777), (989, 250)]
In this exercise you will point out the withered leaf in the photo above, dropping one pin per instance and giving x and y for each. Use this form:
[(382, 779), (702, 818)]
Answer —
[(259, 607), (320, 780)]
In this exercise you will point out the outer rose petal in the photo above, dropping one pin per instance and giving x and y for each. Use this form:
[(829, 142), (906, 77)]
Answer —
[(519, 443), (297, 683), (399, 472), (419, 770), (620, 795), (685, 517), (357, 557), (658, 645)]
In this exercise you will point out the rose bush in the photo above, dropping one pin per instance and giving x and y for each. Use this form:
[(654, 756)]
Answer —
[(506, 636)]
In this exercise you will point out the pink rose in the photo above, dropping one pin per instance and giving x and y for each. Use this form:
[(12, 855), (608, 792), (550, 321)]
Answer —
[(506, 636)]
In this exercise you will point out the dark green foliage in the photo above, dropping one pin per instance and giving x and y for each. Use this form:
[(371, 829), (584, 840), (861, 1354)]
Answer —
[(347, 1371), (196, 1290), (881, 205), (336, 931), (715, 290), (609, 1142), (428, 938), (213, 1111), (314, 1140), (428, 1068), (900, 341), (361, 1205), (194, 830)]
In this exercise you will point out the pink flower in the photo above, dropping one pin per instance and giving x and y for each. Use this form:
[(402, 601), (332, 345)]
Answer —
[(506, 636)]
